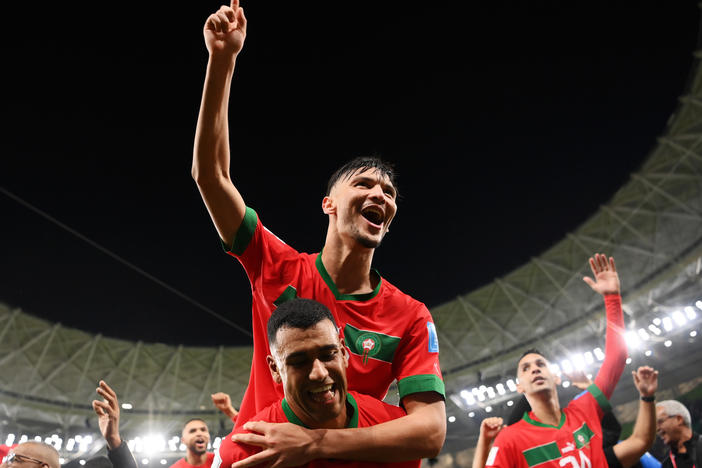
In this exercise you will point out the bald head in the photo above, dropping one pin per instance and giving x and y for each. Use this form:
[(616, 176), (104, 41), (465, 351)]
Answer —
[(37, 452)]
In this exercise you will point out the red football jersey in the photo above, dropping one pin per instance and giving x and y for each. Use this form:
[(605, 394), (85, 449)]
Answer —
[(367, 411), (183, 463), (575, 443), (389, 334)]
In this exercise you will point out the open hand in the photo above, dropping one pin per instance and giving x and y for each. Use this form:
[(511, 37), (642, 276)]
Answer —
[(605, 272)]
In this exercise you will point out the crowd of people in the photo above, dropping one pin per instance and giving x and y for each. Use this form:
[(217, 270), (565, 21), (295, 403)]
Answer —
[(330, 336)]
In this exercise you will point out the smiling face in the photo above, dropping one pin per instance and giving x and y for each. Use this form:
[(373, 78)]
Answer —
[(362, 206), (671, 429), (535, 375), (311, 364), (195, 437)]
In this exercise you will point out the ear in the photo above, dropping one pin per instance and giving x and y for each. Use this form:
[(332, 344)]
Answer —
[(345, 351), (328, 206), (520, 389), (273, 367), (557, 379)]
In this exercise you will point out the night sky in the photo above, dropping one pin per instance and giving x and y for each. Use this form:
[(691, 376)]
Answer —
[(509, 122)]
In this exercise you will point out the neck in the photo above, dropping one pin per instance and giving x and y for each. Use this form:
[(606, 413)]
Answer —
[(685, 436), (195, 459), (546, 407), (348, 265), (340, 421)]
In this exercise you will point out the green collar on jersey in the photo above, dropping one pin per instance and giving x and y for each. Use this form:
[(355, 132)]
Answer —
[(350, 400), (540, 424), (345, 297)]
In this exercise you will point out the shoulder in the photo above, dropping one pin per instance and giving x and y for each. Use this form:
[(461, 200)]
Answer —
[(180, 464), (399, 299), (372, 406)]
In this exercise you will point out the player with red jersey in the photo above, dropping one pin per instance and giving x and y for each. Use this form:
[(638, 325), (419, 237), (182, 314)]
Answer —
[(390, 335), (548, 436), (308, 359)]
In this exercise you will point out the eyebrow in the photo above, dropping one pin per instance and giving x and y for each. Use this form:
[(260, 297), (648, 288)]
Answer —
[(328, 347)]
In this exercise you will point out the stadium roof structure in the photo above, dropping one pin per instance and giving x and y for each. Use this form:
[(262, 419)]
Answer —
[(652, 226)]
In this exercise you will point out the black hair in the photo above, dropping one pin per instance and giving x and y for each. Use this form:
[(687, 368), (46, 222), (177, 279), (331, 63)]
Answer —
[(532, 351), (363, 163), (193, 419), (297, 313)]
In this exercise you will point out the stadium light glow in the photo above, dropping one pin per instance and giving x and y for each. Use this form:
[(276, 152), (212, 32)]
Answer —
[(62, 461), (632, 339), (668, 343), (491, 392), (654, 329), (628, 360), (578, 361), (127, 406), (598, 354), (699, 304), (690, 313), (679, 318), (656, 321), (500, 389), (488, 409), (471, 414), (667, 324), (144, 461), (452, 419), (566, 384), (510, 403), (589, 358), (693, 333), (643, 334), (511, 385), (164, 461), (648, 352), (82, 462), (10, 439), (37, 438), (70, 444), (566, 366)]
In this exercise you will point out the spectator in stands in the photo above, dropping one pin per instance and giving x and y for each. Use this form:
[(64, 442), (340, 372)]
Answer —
[(31, 454), (675, 428)]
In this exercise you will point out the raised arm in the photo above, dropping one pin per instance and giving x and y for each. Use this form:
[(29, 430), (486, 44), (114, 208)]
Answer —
[(630, 450), (606, 283), (224, 33), (420, 434), (489, 429), (223, 402), (107, 411)]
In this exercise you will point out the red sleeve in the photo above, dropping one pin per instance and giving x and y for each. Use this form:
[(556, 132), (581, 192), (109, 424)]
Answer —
[(615, 347), (501, 454), (416, 363), (230, 452)]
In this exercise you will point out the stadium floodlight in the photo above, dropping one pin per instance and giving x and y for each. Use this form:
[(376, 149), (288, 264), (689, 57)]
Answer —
[(500, 389), (566, 384), (699, 304), (648, 352), (668, 343), (10, 439), (37, 438), (471, 414), (632, 340), (452, 419), (164, 461), (468, 397), (656, 321), (62, 461), (693, 333), (628, 360), (491, 392), (567, 366), (679, 318), (511, 385), (173, 444), (598, 354), (154, 444), (555, 369), (654, 329), (82, 462), (690, 313), (589, 376), (488, 409), (643, 334), (127, 406), (667, 324), (144, 461), (578, 361), (23, 438), (481, 396), (70, 444), (589, 358), (510, 403), (182, 447)]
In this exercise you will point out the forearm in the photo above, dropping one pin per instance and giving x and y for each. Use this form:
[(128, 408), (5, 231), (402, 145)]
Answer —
[(615, 346), (420, 434), (630, 450), (121, 457), (482, 449)]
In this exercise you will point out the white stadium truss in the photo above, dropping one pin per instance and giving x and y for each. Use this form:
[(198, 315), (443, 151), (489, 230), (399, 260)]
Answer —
[(652, 226)]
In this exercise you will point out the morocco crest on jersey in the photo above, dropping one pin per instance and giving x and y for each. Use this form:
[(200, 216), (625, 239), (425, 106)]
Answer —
[(368, 345)]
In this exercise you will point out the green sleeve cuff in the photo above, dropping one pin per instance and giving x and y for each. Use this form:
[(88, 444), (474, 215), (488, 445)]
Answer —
[(600, 398), (244, 234), (421, 383)]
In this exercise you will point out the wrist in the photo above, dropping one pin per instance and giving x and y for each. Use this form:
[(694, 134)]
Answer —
[(113, 442), (648, 398)]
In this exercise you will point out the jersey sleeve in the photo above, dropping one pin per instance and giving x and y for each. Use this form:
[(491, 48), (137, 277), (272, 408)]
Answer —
[(615, 347), (416, 364), (593, 403), (230, 452)]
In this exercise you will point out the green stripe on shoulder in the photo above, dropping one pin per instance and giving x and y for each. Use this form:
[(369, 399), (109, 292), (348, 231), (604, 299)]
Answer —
[(421, 383), (244, 234), (600, 397)]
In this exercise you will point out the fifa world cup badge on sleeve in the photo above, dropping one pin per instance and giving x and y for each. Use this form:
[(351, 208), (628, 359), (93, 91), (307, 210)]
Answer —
[(433, 338)]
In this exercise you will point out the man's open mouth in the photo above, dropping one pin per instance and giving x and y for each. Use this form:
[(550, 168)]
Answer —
[(374, 214), (323, 393)]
